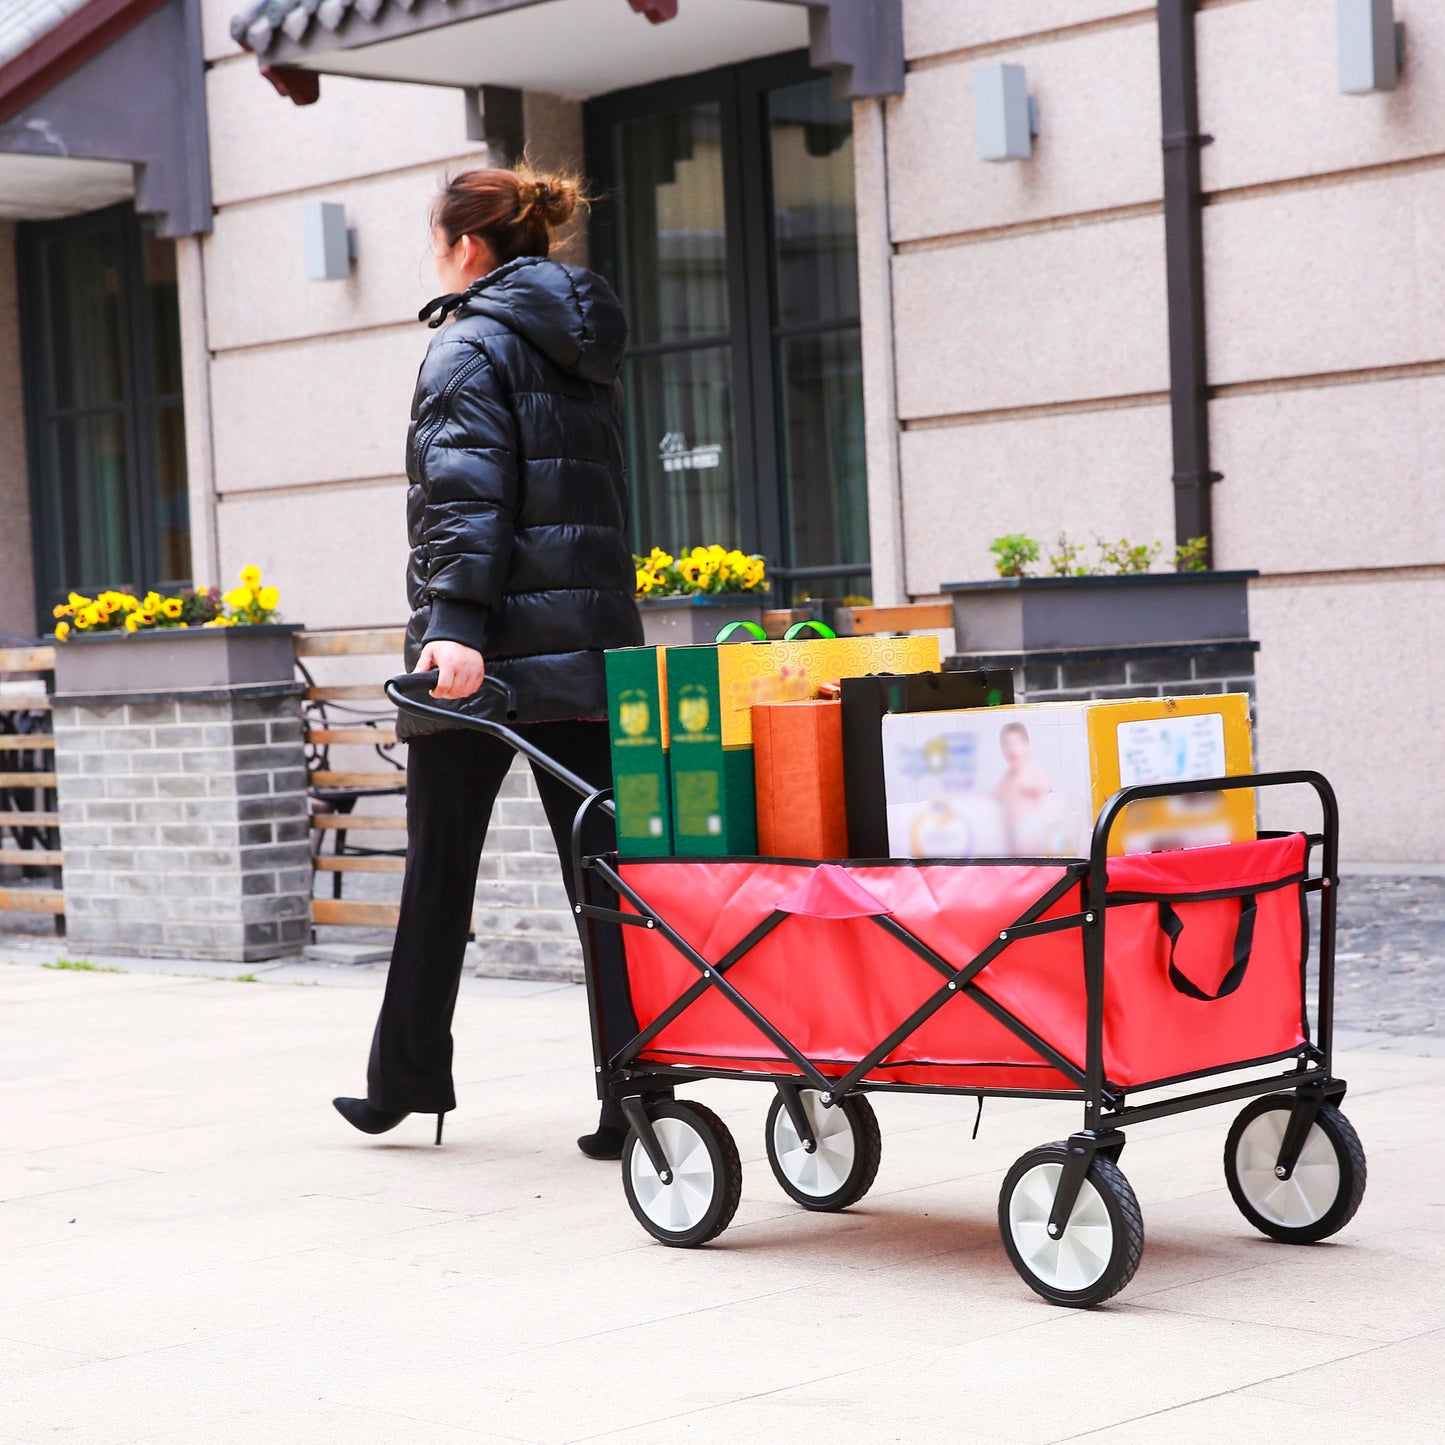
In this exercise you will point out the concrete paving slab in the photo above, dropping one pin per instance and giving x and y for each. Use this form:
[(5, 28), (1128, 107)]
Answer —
[(241, 1267)]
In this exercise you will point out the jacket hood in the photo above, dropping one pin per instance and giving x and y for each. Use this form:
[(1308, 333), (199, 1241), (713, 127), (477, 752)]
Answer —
[(570, 315)]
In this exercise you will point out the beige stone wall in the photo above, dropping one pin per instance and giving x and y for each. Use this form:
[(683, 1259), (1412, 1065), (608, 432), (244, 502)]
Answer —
[(17, 598), (1030, 348), (1352, 683), (1326, 326), (1030, 334)]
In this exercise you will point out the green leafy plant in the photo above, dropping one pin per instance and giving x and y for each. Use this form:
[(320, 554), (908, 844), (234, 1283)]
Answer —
[(1125, 558), (1014, 554), (1066, 559), (80, 965), (1193, 555)]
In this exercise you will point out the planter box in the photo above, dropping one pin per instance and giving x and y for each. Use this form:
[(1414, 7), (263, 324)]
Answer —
[(172, 660), (683, 621), (1027, 614)]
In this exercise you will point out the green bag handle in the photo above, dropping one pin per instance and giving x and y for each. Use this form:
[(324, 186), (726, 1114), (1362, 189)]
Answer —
[(728, 628), (796, 630)]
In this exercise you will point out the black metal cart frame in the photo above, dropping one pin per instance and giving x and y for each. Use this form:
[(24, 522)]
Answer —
[(1107, 1112)]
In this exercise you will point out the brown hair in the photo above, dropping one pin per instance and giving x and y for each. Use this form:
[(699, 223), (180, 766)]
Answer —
[(514, 212)]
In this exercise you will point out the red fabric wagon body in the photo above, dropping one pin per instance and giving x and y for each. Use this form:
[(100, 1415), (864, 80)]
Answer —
[(1204, 963)]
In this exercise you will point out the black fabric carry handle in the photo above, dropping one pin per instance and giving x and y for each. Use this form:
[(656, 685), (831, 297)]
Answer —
[(1173, 925)]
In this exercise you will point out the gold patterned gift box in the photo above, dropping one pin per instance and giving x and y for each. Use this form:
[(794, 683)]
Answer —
[(711, 692)]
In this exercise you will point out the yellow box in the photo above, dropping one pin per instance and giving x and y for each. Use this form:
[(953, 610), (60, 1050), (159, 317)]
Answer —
[(1123, 751)]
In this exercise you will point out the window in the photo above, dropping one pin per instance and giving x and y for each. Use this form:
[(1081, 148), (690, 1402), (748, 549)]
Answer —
[(104, 418), (727, 224)]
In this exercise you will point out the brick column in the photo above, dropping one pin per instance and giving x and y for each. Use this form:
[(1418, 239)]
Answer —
[(183, 816)]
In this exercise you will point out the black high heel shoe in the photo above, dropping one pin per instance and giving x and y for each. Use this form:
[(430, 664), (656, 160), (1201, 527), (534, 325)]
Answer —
[(606, 1143), (361, 1115)]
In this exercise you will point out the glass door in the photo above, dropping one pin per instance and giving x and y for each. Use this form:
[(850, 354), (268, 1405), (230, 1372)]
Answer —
[(673, 266), (104, 417), (727, 225)]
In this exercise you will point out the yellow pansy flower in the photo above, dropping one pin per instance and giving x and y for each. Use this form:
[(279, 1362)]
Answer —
[(251, 576), (240, 597), (172, 607), (132, 623), (76, 600), (268, 597), (62, 631)]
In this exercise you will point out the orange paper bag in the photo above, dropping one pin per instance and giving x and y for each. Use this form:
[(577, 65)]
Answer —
[(798, 761)]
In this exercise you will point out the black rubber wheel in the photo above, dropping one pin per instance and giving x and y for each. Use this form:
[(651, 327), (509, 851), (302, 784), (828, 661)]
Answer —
[(707, 1183), (842, 1168), (1101, 1245), (1326, 1187)]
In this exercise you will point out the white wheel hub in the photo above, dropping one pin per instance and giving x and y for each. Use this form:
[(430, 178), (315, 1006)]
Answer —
[(1311, 1190), (825, 1170), (1079, 1257), (680, 1205)]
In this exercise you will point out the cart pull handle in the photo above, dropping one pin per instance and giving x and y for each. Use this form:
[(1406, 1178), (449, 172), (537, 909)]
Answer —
[(424, 682), (726, 631), (398, 688), (821, 629), (1173, 925)]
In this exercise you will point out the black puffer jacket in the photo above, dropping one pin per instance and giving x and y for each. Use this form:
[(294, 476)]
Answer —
[(517, 504)]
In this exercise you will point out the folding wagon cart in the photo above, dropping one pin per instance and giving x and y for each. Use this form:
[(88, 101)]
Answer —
[(1093, 979)]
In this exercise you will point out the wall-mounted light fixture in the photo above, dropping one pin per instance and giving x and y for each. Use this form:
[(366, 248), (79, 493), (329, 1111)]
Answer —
[(330, 246), (1372, 45), (1007, 118)]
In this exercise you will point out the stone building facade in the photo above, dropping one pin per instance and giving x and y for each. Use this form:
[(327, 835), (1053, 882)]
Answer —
[(1014, 368)]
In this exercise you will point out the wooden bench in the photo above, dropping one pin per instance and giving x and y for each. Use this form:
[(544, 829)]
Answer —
[(29, 818), (351, 715)]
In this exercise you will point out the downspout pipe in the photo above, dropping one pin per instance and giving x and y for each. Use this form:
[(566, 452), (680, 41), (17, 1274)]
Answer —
[(1184, 273)]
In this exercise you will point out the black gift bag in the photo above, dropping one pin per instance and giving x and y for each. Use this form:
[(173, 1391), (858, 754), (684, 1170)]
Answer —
[(866, 701)]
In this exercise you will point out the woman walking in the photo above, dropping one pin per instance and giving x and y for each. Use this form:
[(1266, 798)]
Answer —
[(516, 515)]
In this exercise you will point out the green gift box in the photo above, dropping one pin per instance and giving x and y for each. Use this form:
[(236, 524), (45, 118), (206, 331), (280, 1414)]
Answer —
[(637, 720), (715, 811)]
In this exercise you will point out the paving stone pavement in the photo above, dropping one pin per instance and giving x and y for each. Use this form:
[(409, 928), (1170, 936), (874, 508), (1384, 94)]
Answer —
[(1391, 955), (194, 1249)]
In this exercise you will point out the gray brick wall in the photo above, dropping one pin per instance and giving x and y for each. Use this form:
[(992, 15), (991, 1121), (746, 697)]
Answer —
[(184, 824), (1164, 674), (523, 923)]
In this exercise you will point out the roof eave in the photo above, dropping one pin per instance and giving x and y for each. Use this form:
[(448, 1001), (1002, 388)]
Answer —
[(860, 41), (65, 48)]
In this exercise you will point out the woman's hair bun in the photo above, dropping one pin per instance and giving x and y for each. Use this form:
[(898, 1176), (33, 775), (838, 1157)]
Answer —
[(554, 198)]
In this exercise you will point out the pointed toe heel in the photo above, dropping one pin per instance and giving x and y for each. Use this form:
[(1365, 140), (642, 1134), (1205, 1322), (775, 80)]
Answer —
[(361, 1115), (606, 1143)]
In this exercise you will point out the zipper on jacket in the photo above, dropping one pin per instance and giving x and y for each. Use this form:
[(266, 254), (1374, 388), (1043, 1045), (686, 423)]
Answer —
[(460, 376)]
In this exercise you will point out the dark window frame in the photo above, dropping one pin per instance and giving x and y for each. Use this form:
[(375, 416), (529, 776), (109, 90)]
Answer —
[(139, 404), (741, 92)]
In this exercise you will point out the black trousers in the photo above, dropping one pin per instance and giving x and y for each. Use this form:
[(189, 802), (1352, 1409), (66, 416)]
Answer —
[(452, 780)]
